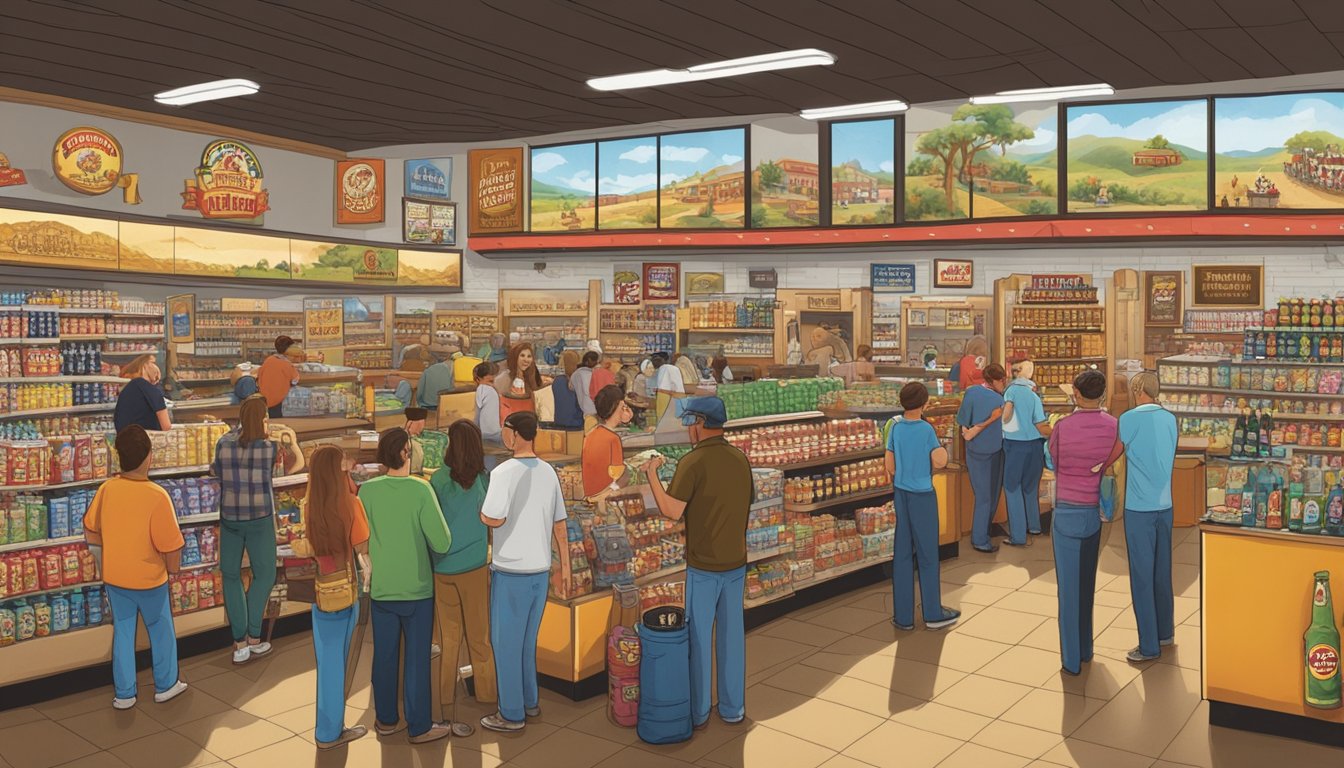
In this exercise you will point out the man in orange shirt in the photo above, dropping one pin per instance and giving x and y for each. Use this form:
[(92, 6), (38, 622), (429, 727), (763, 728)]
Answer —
[(132, 519), (277, 375), (603, 457)]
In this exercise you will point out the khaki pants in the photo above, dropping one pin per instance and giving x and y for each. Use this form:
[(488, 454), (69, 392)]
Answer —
[(462, 602)]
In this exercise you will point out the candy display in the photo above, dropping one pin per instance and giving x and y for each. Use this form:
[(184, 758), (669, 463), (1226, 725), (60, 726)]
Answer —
[(749, 313), (1276, 495), (842, 480), (1058, 345), (190, 591), (41, 569), (790, 443), (655, 317), (15, 398), (1040, 318), (32, 517), (187, 445)]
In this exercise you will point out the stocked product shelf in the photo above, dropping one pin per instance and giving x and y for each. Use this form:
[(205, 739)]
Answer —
[(22, 545), (175, 471), (1256, 393), (1278, 416), (731, 330), (207, 517), (837, 501), (52, 487), (753, 602), (200, 566), (772, 419), (838, 571), (62, 379), (114, 336), (765, 554), (836, 458), (53, 590), (78, 310), (95, 408), (773, 501)]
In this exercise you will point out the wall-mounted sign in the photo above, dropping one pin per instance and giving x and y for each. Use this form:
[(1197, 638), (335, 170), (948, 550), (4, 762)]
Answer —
[(763, 278), (182, 319), (228, 184), (625, 285), (324, 327), (89, 161), (953, 273), (428, 222), (1162, 307), (10, 177), (662, 282), (360, 196), (826, 302), (243, 305), (1059, 282), (704, 283), (1228, 286), (893, 278), (496, 199), (430, 178)]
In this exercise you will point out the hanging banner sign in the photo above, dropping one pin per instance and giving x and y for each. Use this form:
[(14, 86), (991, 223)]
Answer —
[(89, 161), (182, 318), (763, 278), (893, 278), (496, 179), (359, 191), (228, 183), (10, 177)]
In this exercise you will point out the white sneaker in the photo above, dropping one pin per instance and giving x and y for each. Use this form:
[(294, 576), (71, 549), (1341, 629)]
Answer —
[(434, 650), (259, 649), (171, 693), (123, 703), (242, 655)]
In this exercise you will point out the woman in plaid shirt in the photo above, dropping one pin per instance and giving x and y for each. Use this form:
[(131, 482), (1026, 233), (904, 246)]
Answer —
[(244, 461)]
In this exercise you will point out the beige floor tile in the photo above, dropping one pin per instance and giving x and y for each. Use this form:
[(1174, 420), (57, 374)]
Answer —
[(42, 743), (879, 601), (19, 716), (834, 726), (849, 619), (895, 745), (953, 650), (983, 695), (96, 760), (1148, 713), (912, 678), (560, 710), (192, 704), (941, 719), (596, 723), (863, 645), (1102, 678), (1022, 664), (106, 728), (265, 697), (1044, 584), (631, 757), (999, 625), (1005, 575), (163, 749), (766, 746), (76, 704), (1030, 602), (1044, 637), (1073, 753), (1053, 711), (975, 594), (844, 761), (803, 632), (233, 733), (1020, 740), (1186, 651), (1117, 638), (566, 749), (702, 743), (874, 699), (764, 652), (1185, 580), (503, 746), (976, 756), (304, 719), (1187, 553)]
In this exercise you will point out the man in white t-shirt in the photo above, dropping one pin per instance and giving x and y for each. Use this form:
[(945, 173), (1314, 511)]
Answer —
[(526, 508)]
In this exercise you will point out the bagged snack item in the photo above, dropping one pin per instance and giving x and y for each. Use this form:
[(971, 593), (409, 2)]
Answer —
[(58, 518), (41, 619), (60, 613), (50, 575), (190, 597), (70, 570), (7, 627), (25, 621), (36, 517), (94, 601), (205, 590), (30, 572), (88, 565), (78, 616)]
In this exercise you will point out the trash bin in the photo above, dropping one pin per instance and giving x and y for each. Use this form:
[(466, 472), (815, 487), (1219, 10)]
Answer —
[(664, 677)]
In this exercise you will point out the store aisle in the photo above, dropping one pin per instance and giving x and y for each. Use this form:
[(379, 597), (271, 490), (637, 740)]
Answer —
[(835, 685)]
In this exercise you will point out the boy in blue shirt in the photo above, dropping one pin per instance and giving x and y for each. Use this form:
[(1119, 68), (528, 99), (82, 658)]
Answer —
[(982, 429), (1149, 434), (913, 453)]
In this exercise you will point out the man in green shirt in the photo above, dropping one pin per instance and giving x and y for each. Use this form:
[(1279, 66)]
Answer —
[(405, 527), (436, 378), (712, 490)]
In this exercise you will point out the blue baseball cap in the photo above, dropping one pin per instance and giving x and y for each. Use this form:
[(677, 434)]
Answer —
[(706, 407)]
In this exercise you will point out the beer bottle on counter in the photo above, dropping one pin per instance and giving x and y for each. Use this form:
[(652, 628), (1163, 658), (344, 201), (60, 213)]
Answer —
[(1239, 437), (1321, 646)]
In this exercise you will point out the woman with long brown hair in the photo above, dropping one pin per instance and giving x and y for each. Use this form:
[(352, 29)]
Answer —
[(244, 461), (338, 531), (461, 578), (518, 380)]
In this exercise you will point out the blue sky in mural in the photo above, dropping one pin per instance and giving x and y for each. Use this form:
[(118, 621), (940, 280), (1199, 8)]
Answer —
[(569, 167), (1254, 123), (627, 166), (871, 142), (685, 154), (1181, 122)]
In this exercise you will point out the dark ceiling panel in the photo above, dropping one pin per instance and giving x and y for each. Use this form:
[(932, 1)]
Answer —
[(352, 74)]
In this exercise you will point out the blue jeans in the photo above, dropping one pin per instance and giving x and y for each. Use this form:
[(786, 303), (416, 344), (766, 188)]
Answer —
[(714, 615), (986, 471), (1076, 534), (331, 646), (517, 601), (916, 545), (1023, 462), (152, 605), (1148, 539), (396, 622)]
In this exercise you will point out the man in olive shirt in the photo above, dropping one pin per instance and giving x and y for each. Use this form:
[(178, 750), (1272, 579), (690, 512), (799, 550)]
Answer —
[(713, 490)]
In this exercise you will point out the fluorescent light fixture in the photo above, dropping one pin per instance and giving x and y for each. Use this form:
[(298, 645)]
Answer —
[(767, 62), (850, 110), (1045, 94), (218, 89)]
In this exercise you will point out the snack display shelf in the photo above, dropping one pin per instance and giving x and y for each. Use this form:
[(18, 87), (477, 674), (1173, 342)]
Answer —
[(773, 501), (204, 402), (731, 330), (765, 554), (289, 481), (1214, 360), (54, 590), (51, 487), (201, 379), (34, 544), (206, 517), (1256, 393), (1315, 448), (1052, 331), (838, 571), (60, 411), (83, 337), (1278, 416), (133, 336), (200, 566), (772, 419), (753, 602), (80, 310), (61, 379), (837, 501), (835, 458), (177, 471), (28, 341)]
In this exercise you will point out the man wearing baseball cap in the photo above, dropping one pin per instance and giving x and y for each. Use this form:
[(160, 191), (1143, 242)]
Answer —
[(712, 490)]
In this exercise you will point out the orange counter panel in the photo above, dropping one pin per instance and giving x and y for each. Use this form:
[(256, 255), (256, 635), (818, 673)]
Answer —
[(1257, 605)]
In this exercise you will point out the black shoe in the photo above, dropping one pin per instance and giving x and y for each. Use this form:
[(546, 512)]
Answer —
[(991, 549), (1011, 543)]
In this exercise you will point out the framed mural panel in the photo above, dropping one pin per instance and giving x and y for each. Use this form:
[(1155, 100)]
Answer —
[(146, 248), (342, 263), (785, 177), (57, 240), (936, 185), (1012, 159), (430, 269), (627, 184), (1279, 151), (217, 253), (495, 196), (703, 181), (704, 283), (563, 190), (1144, 156), (428, 222), (863, 172)]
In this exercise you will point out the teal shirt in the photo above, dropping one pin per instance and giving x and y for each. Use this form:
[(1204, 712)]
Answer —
[(911, 443), (1149, 434), (436, 378), (462, 512), (1028, 411), (405, 526)]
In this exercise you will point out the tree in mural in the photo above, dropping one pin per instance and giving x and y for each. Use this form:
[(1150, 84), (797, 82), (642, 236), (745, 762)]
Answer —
[(1158, 142), (772, 176), (1317, 140), (946, 145), (997, 126), (974, 129)]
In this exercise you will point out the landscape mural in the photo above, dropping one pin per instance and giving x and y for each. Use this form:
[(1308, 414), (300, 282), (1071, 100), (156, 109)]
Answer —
[(342, 262), (57, 240), (1013, 162), (564, 187), (212, 253), (627, 190), (863, 172), (785, 182), (146, 247), (701, 179), (430, 269), (1279, 151), (1141, 156), (935, 188)]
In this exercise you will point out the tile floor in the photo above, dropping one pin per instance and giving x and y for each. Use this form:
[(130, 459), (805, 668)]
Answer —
[(834, 685)]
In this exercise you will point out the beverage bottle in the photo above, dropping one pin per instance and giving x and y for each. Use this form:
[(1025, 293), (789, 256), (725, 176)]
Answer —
[(1263, 488), (1320, 645), (1334, 511), (1295, 504), (1274, 515), (1239, 436), (1266, 426), (1248, 499), (1252, 447)]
